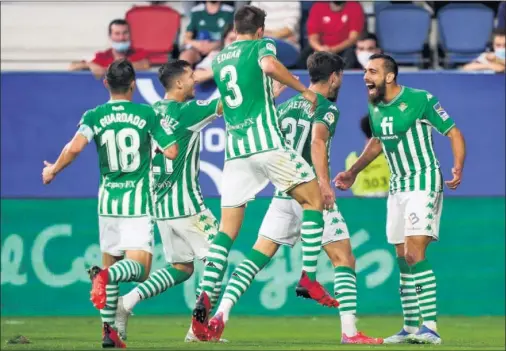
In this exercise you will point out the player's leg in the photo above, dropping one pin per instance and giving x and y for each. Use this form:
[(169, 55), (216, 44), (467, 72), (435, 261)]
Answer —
[(242, 180), (423, 212), (336, 243), (395, 230)]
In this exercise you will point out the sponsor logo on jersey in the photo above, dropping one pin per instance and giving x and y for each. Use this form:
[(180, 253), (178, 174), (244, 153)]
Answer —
[(271, 47), (403, 106), (118, 108), (329, 117), (203, 102), (129, 184), (441, 112)]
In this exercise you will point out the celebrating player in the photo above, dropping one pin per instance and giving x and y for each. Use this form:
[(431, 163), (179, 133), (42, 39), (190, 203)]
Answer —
[(123, 132), (401, 119), (310, 133), (256, 154)]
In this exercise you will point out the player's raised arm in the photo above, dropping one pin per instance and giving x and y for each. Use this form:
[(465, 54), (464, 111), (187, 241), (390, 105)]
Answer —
[(68, 154), (319, 156), (345, 180)]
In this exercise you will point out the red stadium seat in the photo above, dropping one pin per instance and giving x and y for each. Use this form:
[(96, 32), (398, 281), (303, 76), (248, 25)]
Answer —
[(154, 28)]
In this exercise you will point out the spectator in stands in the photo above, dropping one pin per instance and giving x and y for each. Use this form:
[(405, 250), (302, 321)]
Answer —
[(334, 26), (204, 32), (373, 181), (491, 61), (282, 21), (501, 16), (367, 45), (203, 71), (119, 34)]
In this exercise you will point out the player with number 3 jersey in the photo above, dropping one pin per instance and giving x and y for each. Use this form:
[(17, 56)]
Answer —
[(123, 132), (256, 154)]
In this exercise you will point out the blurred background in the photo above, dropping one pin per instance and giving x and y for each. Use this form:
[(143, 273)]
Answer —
[(54, 55)]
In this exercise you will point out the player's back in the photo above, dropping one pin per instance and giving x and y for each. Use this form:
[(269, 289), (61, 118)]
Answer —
[(247, 97), (121, 131)]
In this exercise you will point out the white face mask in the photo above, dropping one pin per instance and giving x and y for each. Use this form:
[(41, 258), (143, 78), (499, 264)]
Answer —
[(363, 57)]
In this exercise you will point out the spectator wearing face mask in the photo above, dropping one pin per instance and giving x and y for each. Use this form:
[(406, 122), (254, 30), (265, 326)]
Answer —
[(119, 35), (335, 27), (367, 45), (203, 71), (491, 61)]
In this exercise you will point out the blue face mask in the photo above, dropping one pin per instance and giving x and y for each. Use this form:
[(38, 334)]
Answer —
[(501, 53), (121, 46)]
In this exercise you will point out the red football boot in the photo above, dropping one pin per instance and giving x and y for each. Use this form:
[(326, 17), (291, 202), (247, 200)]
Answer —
[(360, 338), (99, 279), (310, 289), (201, 317), (111, 339), (216, 327)]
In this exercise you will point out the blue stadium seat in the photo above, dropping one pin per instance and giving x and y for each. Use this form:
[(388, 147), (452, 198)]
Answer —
[(464, 30), (402, 30), (287, 53)]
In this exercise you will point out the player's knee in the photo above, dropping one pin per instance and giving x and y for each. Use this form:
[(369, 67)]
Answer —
[(346, 259), (412, 255)]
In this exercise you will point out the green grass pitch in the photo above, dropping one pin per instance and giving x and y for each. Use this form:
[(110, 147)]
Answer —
[(247, 333)]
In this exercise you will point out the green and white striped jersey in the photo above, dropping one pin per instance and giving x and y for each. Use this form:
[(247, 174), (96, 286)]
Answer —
[(296, 122), (404, 129), (176, 191), (246, 94), (123, 132)]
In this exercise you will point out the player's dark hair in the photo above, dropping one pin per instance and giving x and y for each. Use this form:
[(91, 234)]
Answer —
[(499, 32), (388, 63), (322, 64), (171, 70), (119, 75), (366, 126), (248, 19), (368, 36), (118, 21)]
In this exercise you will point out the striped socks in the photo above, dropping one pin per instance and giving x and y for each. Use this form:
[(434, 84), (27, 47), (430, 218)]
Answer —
[(425, 288), (216, 262), (126, 270), (241, 280), (108, 313), (345, 290), (409, 300), (215, 295), (311, 237)]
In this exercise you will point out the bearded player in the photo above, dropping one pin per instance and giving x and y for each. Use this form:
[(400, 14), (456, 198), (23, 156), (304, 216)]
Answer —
[(256, 154), (310, 134), (401, 120), (123, 132)]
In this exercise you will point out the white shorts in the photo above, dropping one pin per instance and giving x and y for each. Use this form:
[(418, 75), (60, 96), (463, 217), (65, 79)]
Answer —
[(283, 220), (413, 213), (244, 178), (188, 238), (120, 234)]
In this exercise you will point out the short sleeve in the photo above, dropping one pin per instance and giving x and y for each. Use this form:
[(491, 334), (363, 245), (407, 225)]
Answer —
[(161, 131), (370, 108), (267, 47), (313, 21), (192, 26), (101, 59), (86, 125), (356, 20), (436, 116), (138, 55), (328, 117), (197, 114)]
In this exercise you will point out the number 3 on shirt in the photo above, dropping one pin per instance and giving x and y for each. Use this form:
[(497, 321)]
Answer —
[(234, 99)]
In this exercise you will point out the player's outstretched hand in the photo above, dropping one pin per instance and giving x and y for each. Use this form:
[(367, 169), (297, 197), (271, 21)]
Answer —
[(328, 195), (310, 96), (344, 180), (48, 173), (455, 182)]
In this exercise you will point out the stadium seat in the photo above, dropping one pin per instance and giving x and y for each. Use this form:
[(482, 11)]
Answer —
[(155, 29), (464, 30), (402, 30), (287, 53)]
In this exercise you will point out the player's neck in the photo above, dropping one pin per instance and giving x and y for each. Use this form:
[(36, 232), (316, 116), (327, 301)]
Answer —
[(120, 97), (175, 96), (321, 89), (392, 93), (245, 37)]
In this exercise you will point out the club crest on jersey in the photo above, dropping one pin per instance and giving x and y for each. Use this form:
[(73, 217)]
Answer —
[(329, 117), (441, 112), (203, 102), (403, 106), (271, 47)]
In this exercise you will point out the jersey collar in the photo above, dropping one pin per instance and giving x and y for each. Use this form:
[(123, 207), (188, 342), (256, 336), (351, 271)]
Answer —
[(395, 98), (116, 101)]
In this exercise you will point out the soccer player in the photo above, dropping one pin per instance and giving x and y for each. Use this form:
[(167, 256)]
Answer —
[(256, 154), (123, 132), (310, 133), (401, 120)]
